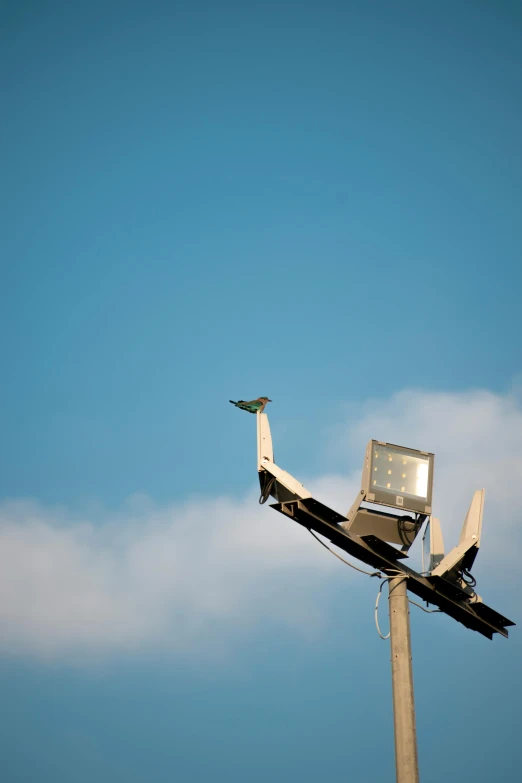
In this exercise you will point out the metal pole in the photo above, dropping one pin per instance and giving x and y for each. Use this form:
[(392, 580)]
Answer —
[(406, 761)]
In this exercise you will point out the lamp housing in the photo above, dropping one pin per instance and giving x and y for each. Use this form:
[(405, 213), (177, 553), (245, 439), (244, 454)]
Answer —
[(397, 476)]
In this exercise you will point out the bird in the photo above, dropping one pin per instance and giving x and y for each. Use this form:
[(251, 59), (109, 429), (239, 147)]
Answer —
[(254, 406)]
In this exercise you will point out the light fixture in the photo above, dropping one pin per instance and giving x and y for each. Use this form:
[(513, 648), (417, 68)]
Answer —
[(397, 476)]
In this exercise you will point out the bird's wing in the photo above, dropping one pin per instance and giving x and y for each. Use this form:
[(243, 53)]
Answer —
[(251, 407)]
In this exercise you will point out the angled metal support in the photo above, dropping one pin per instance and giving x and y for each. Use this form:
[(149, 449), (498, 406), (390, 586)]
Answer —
[(464, 554), (281, 485)]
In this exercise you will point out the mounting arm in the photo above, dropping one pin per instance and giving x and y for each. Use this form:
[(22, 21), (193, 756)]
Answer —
[(273, 480)]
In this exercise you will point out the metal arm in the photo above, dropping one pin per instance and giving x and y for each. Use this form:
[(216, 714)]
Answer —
[(285, 486)]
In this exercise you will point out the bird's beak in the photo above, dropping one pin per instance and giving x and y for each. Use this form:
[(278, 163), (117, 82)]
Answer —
[(270, 400)]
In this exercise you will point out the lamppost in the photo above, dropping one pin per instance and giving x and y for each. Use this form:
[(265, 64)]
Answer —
[(400, 479)]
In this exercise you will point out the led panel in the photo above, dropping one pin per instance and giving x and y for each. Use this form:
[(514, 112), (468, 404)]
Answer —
[(399, 477)]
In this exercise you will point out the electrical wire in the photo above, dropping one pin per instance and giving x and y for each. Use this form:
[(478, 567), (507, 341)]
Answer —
[(380, 576), (403, 529), (397, 574), (468, 578), (428, 611), (376, 614), (376, 610), (266, 488), (361, 571), (409, 534)]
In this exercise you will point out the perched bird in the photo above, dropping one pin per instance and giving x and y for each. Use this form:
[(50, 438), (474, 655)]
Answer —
[(254, 406)]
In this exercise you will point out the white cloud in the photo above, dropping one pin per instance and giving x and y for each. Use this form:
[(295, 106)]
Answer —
[(183, 577), (177, 576)]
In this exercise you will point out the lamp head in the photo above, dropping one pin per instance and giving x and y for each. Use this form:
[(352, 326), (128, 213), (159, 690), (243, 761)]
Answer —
[(398, 476)]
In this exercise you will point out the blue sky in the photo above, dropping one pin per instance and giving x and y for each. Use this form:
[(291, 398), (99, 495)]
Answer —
[(319, 202)]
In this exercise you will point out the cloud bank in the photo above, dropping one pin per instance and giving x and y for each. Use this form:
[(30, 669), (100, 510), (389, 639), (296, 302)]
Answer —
[(189, 576)]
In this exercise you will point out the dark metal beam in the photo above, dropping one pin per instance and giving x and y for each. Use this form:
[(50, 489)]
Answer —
[(438, 591)]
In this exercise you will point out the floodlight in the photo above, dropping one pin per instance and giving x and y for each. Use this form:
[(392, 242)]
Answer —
[(398, 476)]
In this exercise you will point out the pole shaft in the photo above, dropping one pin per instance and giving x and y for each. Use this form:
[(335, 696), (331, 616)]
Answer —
[(406, 761)]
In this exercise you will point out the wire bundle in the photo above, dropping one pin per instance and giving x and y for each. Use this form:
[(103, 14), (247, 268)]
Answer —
[(379, 576)]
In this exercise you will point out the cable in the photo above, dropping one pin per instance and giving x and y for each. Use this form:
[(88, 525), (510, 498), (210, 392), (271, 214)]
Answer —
[(376, 610), (380, 576), (397, 574), (368, 573), (409, 534), (266, 488), (403, 530), (468, 579), (428, 611)]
